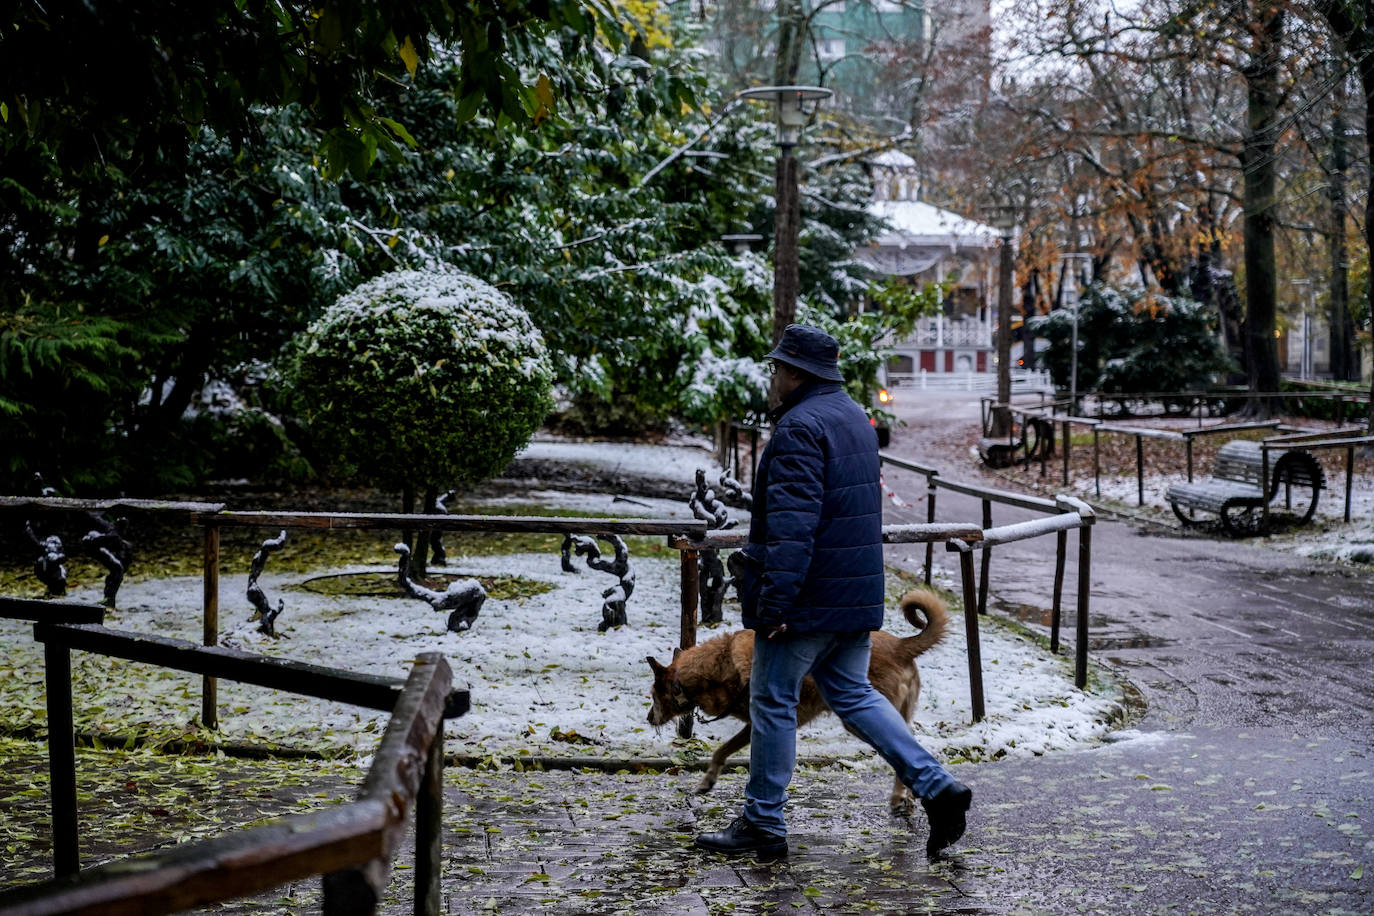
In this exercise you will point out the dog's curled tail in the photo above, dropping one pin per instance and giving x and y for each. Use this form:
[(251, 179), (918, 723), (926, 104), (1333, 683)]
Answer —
[(925, 611)]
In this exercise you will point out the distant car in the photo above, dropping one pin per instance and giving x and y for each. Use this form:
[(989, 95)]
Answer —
[(882, 400)]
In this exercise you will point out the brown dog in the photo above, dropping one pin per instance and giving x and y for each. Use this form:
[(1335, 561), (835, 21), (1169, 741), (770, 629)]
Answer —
[(714, 678)]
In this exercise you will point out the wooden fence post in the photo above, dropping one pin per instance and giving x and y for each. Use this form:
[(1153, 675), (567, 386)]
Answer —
[(209, 687), (429, 823), (687, 637), (66, 857)]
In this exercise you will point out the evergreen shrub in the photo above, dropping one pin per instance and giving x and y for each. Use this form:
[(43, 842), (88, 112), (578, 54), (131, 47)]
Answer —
[(1132, 341), (428, 378)]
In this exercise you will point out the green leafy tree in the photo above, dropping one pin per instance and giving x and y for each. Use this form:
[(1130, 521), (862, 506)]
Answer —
[(195, 263), (167, 212), (116, 85), (422, 380), (1131, 341), (428, 377)]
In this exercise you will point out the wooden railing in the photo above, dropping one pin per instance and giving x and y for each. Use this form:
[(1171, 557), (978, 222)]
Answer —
[(354, 846)]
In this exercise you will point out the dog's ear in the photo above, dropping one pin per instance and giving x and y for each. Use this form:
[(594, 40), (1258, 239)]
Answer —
[(654, 664), (676, 654)]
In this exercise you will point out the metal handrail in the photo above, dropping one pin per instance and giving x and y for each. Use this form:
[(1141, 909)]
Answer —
[(1346, 438)]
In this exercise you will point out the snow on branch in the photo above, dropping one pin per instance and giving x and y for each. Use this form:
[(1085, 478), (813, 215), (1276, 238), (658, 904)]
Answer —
[(463, 598)]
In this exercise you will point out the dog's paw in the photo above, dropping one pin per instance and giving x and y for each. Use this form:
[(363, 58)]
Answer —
[(706, 785), (905, 806)]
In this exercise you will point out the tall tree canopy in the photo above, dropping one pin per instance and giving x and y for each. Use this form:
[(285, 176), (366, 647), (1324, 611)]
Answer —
[(114, 84), (133, 281)]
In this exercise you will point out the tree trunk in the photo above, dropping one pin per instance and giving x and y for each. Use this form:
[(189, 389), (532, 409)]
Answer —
[(791, 42), (1029, 298), (787, 216), (1342, 327), (1001, 417), (408, 508), (1351, 25), (419, 559), (1259, 164), (1367, 80)]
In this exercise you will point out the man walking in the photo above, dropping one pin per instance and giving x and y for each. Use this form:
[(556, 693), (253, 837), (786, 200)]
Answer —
[(810, 582)]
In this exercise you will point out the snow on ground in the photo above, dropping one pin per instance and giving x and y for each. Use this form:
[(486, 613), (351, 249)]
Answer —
[(543, 680), (671, 461), (1327, 536)]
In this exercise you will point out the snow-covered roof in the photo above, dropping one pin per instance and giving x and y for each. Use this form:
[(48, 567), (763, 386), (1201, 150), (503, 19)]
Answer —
[(915, 222), (893, 159)]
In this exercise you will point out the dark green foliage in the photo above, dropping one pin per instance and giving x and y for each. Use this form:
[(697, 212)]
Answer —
[(152, 266), (431, 379), (123, 83), (1324, 408), (60, 372), (1131, 341), (191, 231)]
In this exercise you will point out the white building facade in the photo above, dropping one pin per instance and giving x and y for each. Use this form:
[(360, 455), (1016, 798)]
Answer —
[(927, 244)]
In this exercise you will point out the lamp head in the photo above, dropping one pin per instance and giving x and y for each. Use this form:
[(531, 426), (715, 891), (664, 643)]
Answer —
[(793, 103), (1002, 217)]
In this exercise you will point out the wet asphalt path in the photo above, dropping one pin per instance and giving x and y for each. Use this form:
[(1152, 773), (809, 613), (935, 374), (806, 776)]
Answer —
[(1246, 786), (1249, 787), (1214, 632)]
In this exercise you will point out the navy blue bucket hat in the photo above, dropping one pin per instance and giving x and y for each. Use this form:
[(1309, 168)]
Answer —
[(810, 350)]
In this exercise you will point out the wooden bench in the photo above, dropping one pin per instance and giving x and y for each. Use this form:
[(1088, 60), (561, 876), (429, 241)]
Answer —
[(1035, 443), (1239, 495)]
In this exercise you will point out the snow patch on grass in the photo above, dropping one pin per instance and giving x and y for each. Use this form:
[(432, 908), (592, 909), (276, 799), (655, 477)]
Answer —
[(543, 680)]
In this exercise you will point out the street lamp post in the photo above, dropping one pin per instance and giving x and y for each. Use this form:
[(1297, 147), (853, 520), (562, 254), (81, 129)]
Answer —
[(1071, 291), (1003, 218), (1308, 286), (792, 111)]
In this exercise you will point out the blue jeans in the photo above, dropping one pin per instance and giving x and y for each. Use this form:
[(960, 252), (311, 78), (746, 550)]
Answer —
[(839, 664)]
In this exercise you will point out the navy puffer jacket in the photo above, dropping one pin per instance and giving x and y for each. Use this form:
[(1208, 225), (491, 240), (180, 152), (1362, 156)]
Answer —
[(815, 554)]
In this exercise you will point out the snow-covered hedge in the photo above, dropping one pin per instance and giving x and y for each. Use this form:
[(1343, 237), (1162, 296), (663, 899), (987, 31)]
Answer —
[(1131, 340), (433, 378)]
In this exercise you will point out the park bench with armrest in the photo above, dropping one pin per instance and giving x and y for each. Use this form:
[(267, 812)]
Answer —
[(1239, 493)]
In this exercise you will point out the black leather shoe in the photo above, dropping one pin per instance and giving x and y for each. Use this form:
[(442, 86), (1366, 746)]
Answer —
[(946, 814), (742, 838)]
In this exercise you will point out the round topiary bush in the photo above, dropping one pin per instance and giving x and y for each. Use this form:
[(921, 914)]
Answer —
[(423, 378)]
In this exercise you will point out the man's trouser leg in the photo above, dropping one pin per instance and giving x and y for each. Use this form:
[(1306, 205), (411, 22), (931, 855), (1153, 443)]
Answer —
[(842, 676), (774, 690)]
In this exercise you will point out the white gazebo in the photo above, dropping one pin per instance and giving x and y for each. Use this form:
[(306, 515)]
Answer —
[(925, 243)]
